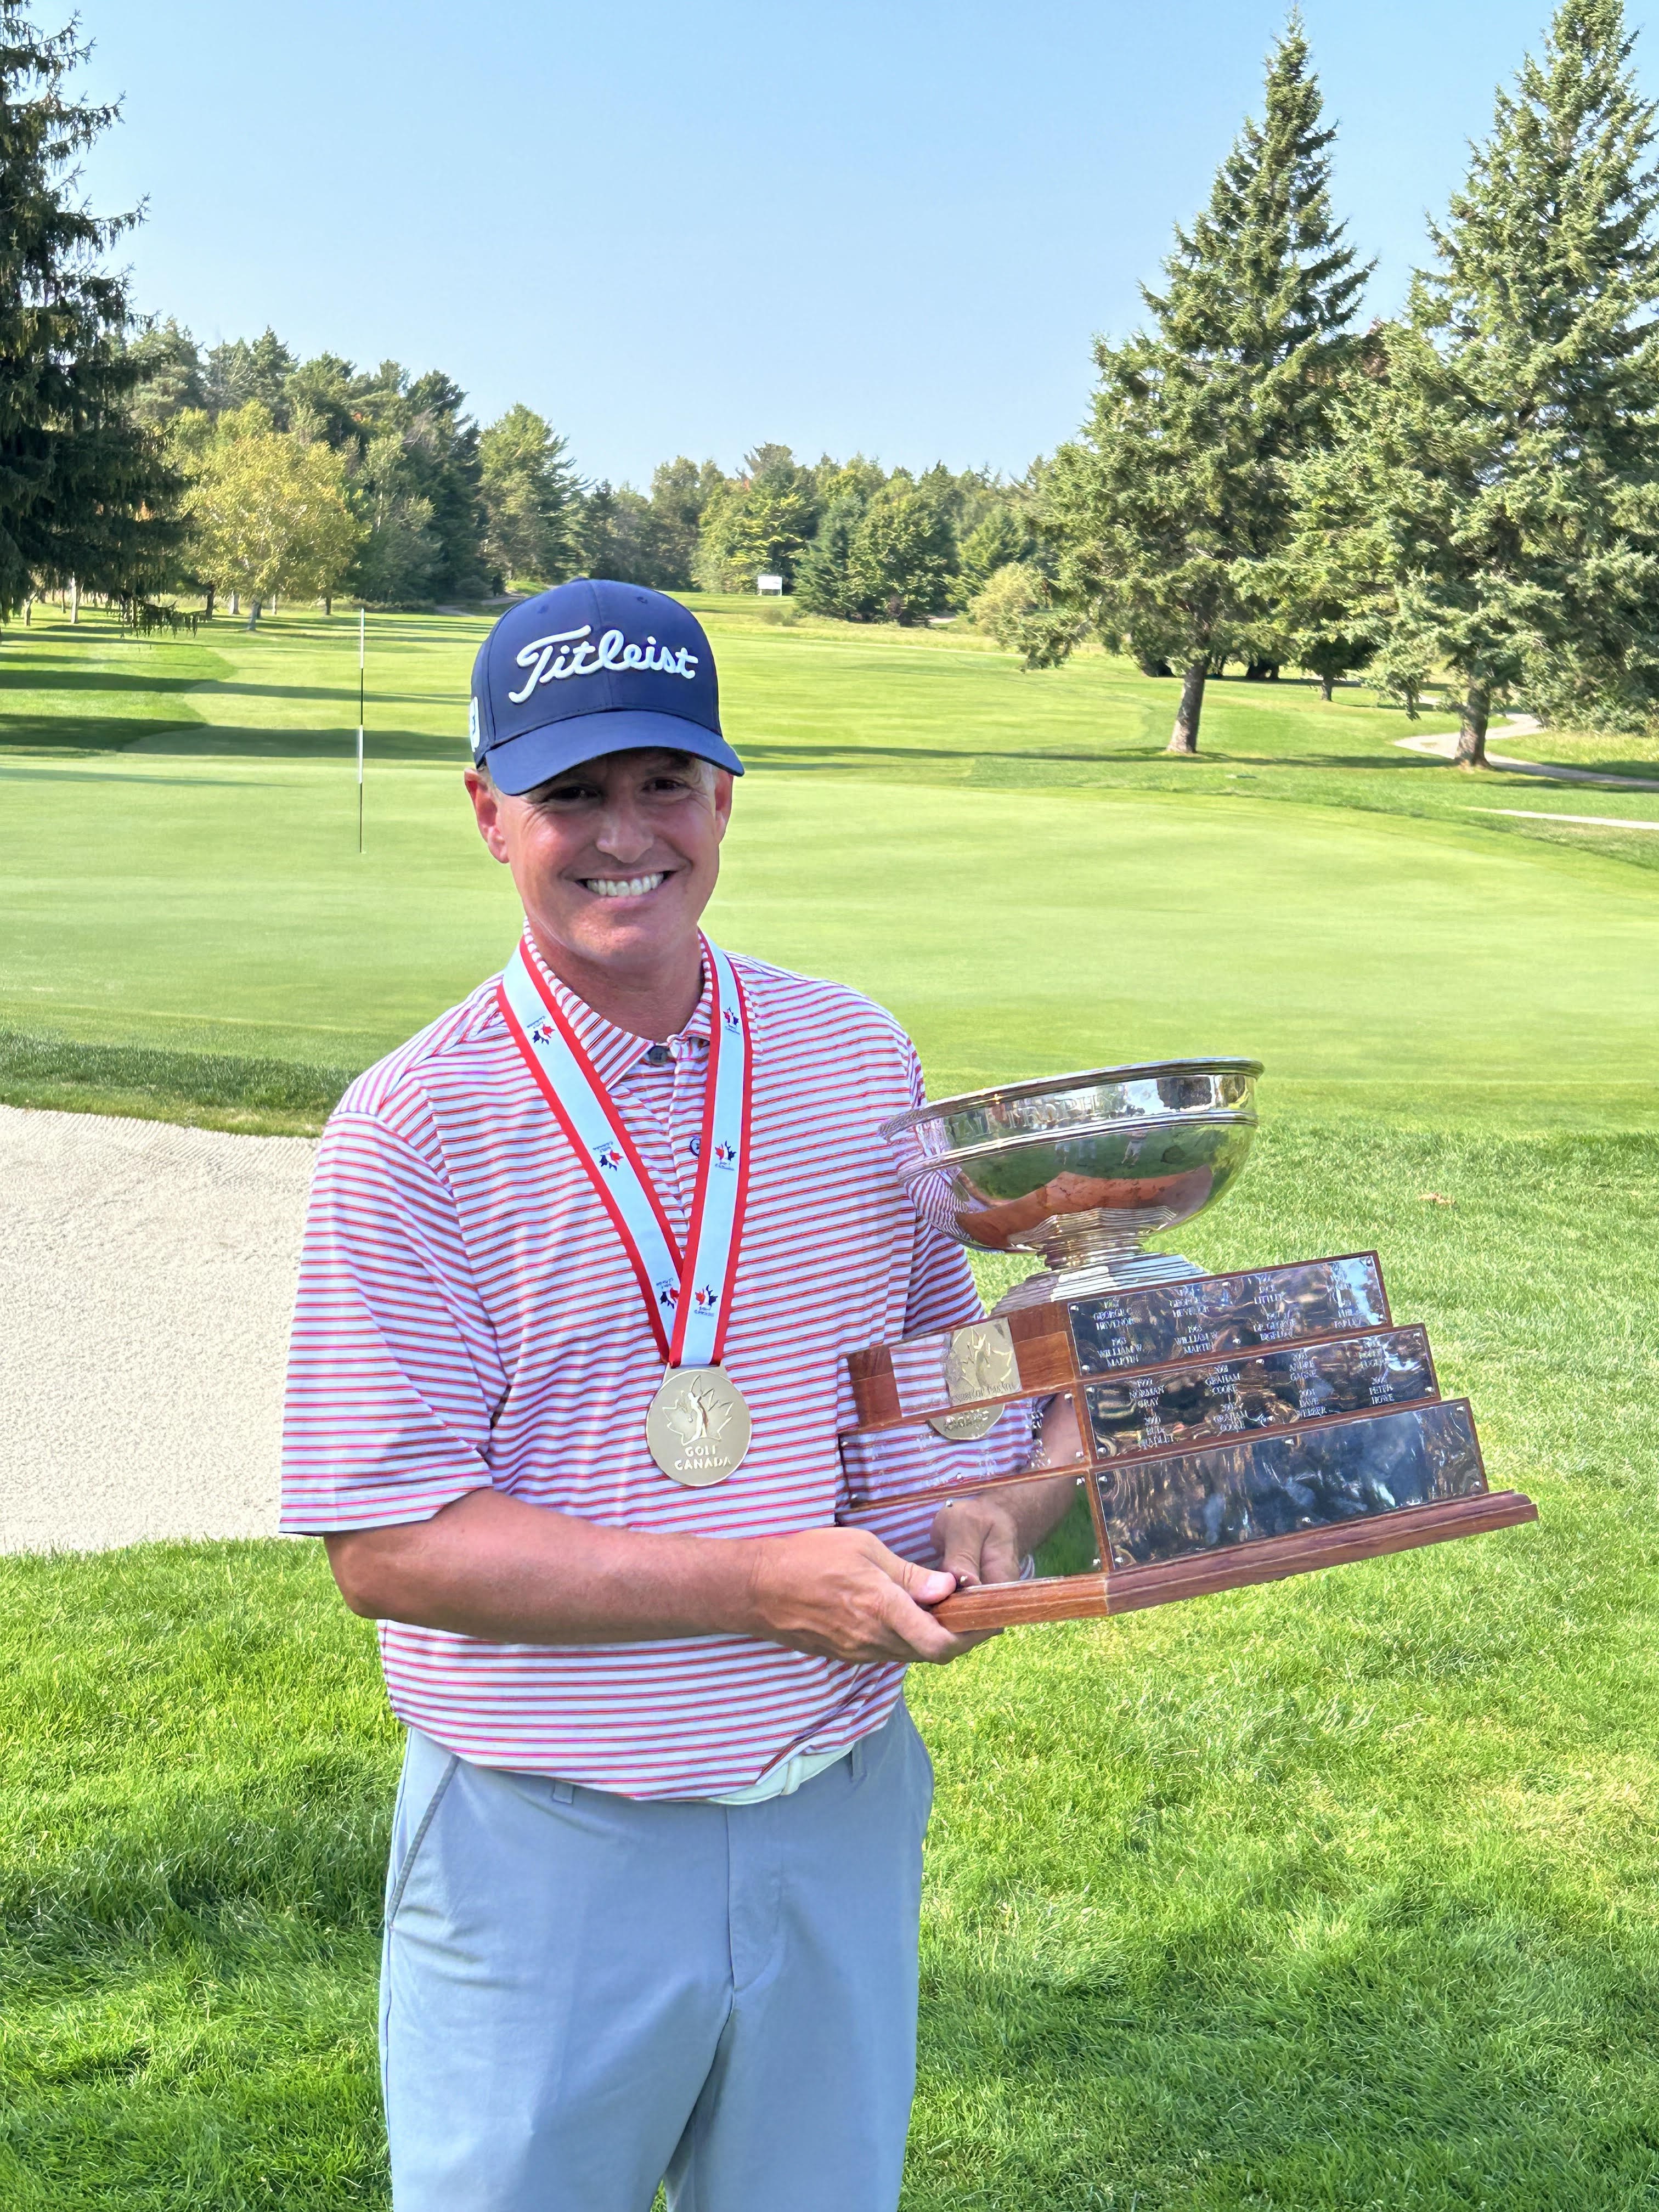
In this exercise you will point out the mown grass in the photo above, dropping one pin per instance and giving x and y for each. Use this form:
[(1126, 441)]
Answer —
[(1008, 859), (1339, 1893), (216, 1090), (1343, 1893)]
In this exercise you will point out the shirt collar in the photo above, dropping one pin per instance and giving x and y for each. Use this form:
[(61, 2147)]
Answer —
[(615, 1051)]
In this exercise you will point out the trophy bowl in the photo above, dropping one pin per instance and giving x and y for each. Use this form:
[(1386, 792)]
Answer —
[(1080, 1169)]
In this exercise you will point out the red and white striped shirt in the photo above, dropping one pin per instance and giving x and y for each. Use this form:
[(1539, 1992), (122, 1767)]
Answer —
[(467, 1318)]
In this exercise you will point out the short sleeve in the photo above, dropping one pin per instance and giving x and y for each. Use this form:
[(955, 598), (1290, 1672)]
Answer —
[(943, 1293), (394, 1376)]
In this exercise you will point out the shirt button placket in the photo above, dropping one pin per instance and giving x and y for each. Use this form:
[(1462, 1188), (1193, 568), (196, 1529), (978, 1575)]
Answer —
[(685, 1119)]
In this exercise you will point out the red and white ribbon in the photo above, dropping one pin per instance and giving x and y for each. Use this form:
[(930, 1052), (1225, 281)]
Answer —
[(687, 1294)]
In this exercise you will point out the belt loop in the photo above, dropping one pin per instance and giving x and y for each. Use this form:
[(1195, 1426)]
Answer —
[(855, 1761), (564, 1793)]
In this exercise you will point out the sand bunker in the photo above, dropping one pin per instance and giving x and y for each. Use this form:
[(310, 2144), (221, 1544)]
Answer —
[(146, 1279)]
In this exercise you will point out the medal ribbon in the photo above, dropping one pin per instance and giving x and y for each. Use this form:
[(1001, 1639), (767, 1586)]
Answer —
[(688, 1294)]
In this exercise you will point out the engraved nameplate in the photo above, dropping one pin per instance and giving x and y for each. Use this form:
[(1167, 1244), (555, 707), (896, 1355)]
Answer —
[(1301, 1382), (1220, 1314), (1280, 1483)]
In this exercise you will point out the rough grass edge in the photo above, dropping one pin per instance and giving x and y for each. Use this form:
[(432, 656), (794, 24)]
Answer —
[(198, 1090)]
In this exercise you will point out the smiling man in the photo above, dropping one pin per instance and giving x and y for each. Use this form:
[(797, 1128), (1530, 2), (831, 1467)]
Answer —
[(580, 1263)]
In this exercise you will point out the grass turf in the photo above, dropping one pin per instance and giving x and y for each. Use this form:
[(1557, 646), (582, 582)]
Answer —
[(1007, 859), (1339, 1893)]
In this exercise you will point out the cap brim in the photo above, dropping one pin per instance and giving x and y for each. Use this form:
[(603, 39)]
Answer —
[(518, 764)]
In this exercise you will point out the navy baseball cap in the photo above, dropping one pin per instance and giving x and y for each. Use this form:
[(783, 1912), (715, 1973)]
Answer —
[(591, 668)]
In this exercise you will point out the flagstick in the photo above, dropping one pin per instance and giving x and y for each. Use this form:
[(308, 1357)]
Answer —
[(360, 731)]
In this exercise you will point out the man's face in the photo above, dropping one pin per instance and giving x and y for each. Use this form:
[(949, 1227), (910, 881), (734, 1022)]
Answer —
[(615, 861)]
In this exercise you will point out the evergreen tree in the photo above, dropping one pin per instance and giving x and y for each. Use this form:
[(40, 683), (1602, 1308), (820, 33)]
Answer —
[(1493, 506), (399, 558), (445, 443), (681, 490), (237, 373), (530, 497), (825, 581), (1003, 537), (615, 536), (170, 365), (85, 489), (437, 471), (1166, 515), (320, 397)]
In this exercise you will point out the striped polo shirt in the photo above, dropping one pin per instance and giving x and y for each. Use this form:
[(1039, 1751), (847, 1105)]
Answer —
[(467, 1318)]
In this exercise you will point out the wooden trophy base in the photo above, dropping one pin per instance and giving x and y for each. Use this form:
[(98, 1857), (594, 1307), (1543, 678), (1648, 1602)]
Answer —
[(1129, 1589)]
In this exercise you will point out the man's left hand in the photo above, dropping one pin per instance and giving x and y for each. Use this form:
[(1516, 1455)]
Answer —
[(977, 1541)]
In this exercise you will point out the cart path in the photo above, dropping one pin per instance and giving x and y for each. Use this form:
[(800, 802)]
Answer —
[(1527, 725), (147, 1272)]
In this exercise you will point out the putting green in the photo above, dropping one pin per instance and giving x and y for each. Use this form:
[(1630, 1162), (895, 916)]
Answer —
[(199, 886)]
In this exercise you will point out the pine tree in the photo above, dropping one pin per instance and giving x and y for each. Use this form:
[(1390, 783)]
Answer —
[(531, 497), (1169, 511), (172, 365), (85, 489), (825, 582), (1495, 496), (237, 371)]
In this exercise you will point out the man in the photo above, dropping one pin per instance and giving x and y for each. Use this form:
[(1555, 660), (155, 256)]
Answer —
[(654, 1895)]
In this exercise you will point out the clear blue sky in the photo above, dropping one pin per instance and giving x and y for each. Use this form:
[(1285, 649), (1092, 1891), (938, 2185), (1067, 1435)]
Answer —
[(690, 227)]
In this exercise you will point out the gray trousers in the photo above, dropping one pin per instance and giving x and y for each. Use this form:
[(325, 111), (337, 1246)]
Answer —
[(582, 1995)]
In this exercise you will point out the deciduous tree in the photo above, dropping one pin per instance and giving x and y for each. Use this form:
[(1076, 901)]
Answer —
[(758, 525), (904, 555), (268, 512)]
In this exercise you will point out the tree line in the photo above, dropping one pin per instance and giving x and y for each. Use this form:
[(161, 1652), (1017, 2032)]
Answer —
[(426, 507), (1469, 490), (313, 477)]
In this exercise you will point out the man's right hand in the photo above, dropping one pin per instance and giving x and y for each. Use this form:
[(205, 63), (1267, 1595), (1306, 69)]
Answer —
[(491, 1566), (841, 1594)]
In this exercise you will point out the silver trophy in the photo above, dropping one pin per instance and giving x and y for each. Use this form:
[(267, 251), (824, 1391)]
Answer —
[(1172, 1431), (1081, 1169)]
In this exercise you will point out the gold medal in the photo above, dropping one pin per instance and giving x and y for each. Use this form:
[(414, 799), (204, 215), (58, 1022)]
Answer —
[(697, 1425)]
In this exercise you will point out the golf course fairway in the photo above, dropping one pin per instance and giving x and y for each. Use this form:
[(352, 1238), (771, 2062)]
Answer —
[(1339, 1893)]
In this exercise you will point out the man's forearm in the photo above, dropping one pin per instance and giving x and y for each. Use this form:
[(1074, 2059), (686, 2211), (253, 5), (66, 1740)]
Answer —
[(1038, 1508), (494, 1567)]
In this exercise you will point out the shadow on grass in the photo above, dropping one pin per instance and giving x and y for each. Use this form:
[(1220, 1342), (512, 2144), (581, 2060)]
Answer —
[(1432, 2056), (80, 734), (329, 742), (342, 691), (760, 754), (1645, 771), (34, 677)]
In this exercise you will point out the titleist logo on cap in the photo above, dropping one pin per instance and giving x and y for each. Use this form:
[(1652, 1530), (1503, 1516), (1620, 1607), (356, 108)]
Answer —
[(568, 653)]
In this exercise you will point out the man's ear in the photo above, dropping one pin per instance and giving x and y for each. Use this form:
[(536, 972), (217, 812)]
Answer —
[(487, 812), (724, 781)]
